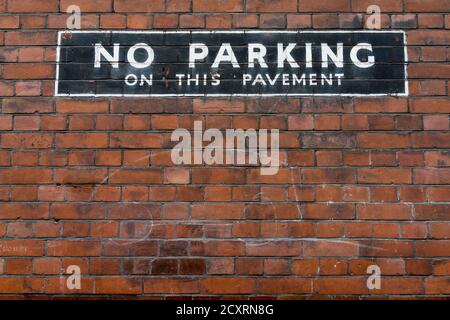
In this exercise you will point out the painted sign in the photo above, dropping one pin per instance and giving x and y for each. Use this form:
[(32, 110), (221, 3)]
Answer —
[(231, 63)]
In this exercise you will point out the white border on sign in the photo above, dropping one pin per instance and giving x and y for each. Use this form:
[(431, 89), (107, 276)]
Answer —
[(403, 94)]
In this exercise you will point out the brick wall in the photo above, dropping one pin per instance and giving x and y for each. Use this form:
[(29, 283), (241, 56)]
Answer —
[(90, 182)]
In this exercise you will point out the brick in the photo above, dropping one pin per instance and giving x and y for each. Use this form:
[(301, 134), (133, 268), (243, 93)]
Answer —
[(431, 70), (428, 37), (323, 21), (289, 248), (427, 21), (82, 106), (384, 105), (28, 71), (267, 21), (165, 266), (432, 248), (358, 229), (178, 6), (26, 105), (227, 285), (340, 286), (284, 286), (28, 88), (432, 176), (300, 21), (111, 285), (351, 21), (16, 38), (218, 21), (324, 6), (78, 176), (385, 5), (218, 106), (385, 175), (384, 211), (217, 6), (221, 211), (135, 140), (430, 6), (88, 5), (407, 21), (271, 6), (430, 140), (76, 211), (419, 267), (389, 266), (138, 6), (192, 266), (82, 140), (436, 122), (47, 266), (74, 248), (25, 176), (329, 140), (137, 176), (245, 20), (438, 194), (432, 212), (25, 248), (189, 21), (113, 21), (437, 285), (441, 268), (165, 21), (386, 248), (32, 6), (171, 286), (9, 22)]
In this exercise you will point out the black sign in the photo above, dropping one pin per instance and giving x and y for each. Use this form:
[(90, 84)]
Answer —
[(231, 63)]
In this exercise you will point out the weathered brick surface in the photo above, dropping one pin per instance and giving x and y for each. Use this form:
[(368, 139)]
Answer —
[(90, 182)]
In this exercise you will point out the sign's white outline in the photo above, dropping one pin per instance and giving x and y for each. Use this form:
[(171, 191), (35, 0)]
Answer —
[(402, 94)]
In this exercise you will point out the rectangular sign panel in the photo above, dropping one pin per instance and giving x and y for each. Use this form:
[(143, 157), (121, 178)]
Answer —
[(231, 63)]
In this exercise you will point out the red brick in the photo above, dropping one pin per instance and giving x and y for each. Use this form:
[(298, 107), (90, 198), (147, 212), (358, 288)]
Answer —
[(437, 285), (25, 176), (227, 285), (271, 6), (9, 22), (441, 268), (26, 248), (436, 122), (384, 105), (171, 285), (385, 5), (32, 6), (88, 5), (82, 140), (340, 286), (429, 6), (117, 285), (28, 71), (385, 175), (300, 21), (432, 176), (178, 6), (433, 248), (217, 6), (190, 21), (27, 38), (139, 6), (73, 248)]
